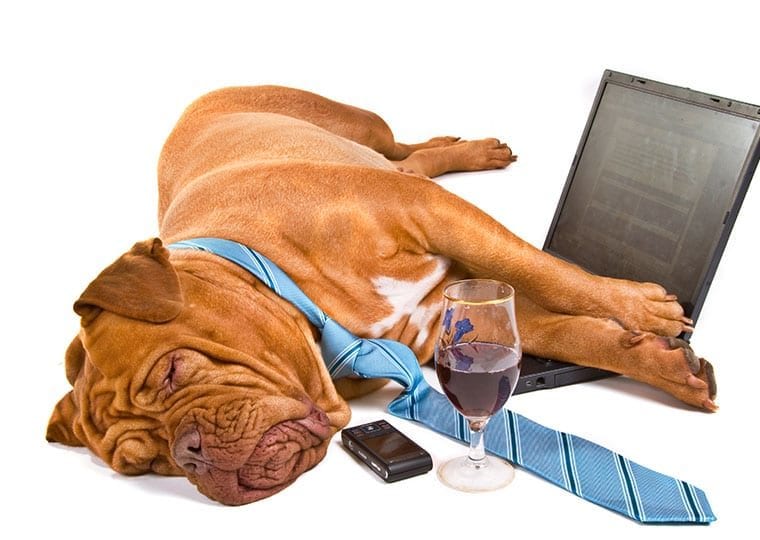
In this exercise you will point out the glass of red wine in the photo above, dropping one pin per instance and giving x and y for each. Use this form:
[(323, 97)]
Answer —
[(477, 360)]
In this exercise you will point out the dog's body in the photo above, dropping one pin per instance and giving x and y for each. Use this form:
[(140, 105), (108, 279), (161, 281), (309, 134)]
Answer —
[(185, 364)]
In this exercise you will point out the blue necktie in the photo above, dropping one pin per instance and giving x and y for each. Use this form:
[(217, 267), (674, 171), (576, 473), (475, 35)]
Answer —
[(584, 468)]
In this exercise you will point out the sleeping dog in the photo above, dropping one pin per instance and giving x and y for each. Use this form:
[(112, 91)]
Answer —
[(185, 364)]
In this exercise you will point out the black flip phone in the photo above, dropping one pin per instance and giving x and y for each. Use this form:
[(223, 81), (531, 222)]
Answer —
[(388, 452)]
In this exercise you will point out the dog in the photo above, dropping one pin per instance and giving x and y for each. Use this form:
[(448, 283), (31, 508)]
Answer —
[(185, 364)]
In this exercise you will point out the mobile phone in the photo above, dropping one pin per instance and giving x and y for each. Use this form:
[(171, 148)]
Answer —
[(388, 452)]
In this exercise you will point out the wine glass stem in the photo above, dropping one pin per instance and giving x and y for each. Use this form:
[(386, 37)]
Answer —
[(477, 453)]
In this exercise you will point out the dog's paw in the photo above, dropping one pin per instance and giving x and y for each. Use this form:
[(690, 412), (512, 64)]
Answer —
[(482, 155), (671, 365), (702, 372), (639, 307)]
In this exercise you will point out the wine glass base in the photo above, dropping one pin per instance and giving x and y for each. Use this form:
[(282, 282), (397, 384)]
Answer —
[(461, 474)]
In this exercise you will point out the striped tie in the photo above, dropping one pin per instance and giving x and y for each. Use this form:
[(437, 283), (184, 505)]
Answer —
[(584, 468)]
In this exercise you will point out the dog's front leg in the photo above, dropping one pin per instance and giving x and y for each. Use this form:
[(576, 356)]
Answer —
[(666, 363), (458, 230)]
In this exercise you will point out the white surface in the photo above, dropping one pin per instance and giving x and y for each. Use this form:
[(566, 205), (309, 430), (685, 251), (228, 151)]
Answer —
[(90, 92)]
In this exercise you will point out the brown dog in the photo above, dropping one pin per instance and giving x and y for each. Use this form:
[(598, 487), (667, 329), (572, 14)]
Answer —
[(186, 364)]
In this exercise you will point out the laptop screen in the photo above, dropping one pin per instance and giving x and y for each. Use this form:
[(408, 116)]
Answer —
[(655, 187)]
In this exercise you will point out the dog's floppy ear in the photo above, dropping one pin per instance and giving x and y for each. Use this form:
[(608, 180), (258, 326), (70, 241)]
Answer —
[(61, 425), (142, 284)]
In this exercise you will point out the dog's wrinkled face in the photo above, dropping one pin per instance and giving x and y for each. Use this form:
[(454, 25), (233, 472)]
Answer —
[(195, 368)]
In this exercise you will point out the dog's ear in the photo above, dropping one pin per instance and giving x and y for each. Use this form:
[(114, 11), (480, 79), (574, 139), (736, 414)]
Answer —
[(142, 284), (61, 427)]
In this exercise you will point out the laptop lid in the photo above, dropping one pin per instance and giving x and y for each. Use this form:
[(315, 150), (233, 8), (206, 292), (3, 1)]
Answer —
[(653, 192)]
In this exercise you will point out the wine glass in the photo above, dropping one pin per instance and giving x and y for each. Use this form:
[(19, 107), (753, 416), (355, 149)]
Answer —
[(477, 360)]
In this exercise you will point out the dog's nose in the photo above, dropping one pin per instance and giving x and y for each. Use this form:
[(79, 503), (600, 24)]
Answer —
[(188, 451)]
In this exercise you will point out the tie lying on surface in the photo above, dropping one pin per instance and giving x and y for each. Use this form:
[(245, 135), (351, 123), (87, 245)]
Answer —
[(584, 468)]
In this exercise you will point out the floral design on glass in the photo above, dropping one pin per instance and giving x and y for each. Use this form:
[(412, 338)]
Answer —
[(452, 336), (461, 328)]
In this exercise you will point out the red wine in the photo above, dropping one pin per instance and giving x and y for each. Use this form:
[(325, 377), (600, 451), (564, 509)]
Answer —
[(477, 377)]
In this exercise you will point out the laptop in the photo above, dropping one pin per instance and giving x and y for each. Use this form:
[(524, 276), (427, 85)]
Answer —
[(652, 194)]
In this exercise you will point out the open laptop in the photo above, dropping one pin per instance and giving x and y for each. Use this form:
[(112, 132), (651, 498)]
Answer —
[(652, 195)]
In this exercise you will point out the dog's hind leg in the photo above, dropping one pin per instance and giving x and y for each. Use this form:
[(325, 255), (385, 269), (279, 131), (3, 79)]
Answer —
[(460, 156), (666, 363), (358, 125), (432, 158)]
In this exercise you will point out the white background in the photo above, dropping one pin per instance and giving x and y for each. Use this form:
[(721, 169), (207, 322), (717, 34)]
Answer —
[(90, 91)]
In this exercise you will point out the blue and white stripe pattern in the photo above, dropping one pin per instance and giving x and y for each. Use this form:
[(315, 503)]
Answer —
[(577, 465)]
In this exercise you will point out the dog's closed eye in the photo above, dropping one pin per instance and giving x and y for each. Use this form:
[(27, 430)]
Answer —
[(169, 380), (170, 373)]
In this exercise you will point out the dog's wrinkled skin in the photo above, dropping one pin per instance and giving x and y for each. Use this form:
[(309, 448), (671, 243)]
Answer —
[(187, 365)]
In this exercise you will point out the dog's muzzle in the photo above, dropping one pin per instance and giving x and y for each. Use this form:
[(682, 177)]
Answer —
[(282, 454)]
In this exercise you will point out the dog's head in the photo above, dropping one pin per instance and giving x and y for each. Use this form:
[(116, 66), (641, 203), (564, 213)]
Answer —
[(199, 370)]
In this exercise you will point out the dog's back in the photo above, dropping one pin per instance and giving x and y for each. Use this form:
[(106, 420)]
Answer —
[(216, 134)]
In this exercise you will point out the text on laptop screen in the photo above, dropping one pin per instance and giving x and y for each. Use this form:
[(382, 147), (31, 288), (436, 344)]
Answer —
[(651, 189)]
